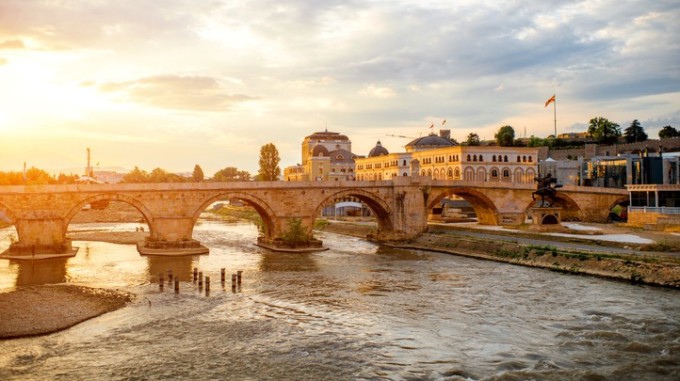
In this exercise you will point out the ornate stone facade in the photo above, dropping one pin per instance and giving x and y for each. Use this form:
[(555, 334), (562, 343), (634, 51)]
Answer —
[(325, 156), (453, 162)]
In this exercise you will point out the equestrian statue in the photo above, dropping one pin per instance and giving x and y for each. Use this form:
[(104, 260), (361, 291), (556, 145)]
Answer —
[(546, 188)]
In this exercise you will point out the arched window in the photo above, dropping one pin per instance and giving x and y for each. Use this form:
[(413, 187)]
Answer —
[(519, 159), (529, 159), (404, 163), (481, 158), (405, 174), (474, 157), (449, 173), (506, 173), (424, 173), (468, 157), (429, 173), (456, 173), (493, 158), (505, 158), (494, 174), (524, 159)]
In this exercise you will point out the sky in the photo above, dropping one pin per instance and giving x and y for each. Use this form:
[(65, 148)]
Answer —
[(174, 83)]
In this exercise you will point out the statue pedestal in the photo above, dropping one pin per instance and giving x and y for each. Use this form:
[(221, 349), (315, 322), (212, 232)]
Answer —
[(546, 219)]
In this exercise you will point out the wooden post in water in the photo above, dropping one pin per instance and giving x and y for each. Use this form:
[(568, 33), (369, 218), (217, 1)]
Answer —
[(207, 285), (223, 274), (176, 285), (233, 282), (200, 279), (161, 281), (169, 275), (195, 274), (238, 276)]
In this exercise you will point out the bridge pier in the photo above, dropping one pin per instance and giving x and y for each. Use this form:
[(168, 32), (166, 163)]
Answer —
[(40, 238), (172, 236)]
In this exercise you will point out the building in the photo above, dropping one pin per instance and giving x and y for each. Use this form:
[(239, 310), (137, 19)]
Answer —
[(325, 156), (437, 156)]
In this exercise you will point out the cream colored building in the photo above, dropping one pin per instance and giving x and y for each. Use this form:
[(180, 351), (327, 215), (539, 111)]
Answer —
[(325, 156), (440, 158)]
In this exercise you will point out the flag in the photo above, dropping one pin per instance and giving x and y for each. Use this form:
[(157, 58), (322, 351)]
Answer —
[(444, 122), (549, 101)]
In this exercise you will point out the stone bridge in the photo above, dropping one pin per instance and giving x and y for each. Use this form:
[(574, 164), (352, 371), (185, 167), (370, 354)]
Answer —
[(41, 214)]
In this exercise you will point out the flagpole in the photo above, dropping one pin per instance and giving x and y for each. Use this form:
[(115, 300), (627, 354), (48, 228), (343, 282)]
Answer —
[(555, 113)]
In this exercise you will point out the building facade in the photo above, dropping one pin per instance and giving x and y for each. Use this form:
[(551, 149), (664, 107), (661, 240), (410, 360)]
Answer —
[(441, 159), (325, 156)]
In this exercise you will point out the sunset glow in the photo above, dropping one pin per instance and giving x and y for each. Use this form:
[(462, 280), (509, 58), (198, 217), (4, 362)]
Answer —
[(208, 83)]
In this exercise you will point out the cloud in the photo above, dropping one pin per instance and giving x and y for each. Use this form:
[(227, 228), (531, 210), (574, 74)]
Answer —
[(197, 93), (381, 92), (12, 44), (3, 61)]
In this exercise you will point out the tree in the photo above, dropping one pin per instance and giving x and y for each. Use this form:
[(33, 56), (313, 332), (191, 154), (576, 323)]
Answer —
[(505, 136), (135, 176), (603, 130), (198, 173), (536, 142), (635, 132), (472, 139), (231, 174), (269, 163), (668, 132)]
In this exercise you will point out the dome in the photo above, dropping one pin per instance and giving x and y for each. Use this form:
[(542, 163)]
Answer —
[(378, 150), (320, 151), (430, 141)]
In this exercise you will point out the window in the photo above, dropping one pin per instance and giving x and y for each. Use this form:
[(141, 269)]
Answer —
[(519, 159), (493, 158), (339, 157), (505, 158), (529, 159), (506, 173), (494, 173), (474, 157), (481, 158), (468, 157)]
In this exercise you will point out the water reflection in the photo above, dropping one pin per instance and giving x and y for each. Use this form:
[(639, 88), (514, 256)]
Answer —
[(44, 271), (287, 262), (182, 267)]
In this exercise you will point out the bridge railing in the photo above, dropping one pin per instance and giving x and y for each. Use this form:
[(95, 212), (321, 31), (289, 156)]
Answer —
[(652, 209)]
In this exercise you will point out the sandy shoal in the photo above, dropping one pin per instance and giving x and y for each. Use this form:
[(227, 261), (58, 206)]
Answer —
[(37, 310)]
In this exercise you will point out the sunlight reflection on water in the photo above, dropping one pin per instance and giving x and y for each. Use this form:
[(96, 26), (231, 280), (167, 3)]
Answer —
[(356, 311)]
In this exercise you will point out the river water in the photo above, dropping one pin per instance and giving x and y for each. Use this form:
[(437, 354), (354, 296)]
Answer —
[(355, 312)]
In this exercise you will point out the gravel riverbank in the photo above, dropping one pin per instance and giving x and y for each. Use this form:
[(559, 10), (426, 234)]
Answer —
[(38, 310), (591, 255)]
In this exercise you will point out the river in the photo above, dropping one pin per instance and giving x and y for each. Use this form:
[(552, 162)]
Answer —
[(355, 312)]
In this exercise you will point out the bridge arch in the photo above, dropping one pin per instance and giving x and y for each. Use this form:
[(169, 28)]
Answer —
[(111, 197), (6, 216), (379, 207), (571, 211), (7, 212), (486, 210), (263, 209)]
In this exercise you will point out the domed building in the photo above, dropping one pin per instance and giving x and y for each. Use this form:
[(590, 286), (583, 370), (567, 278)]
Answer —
[(378, 150), (431, 141), (441, 158), (326, 155)]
